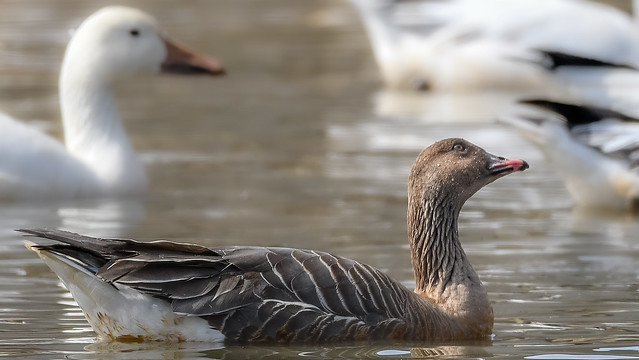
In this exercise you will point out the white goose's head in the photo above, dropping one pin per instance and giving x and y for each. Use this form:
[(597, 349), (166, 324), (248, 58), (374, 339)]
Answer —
[(117, 42)]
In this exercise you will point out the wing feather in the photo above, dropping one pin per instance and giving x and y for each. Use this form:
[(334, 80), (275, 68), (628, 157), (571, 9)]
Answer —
[(250, 293)]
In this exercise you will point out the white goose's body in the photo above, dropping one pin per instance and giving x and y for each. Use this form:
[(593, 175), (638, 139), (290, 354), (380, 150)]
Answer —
[(97, 158), (24, 168), (595, 150), (464, 44)]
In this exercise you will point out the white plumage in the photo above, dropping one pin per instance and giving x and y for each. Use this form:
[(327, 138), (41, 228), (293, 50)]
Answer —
[(97, 158), (465, 44), (595, 150)]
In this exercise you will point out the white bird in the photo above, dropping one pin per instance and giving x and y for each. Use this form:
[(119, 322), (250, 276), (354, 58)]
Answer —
[(595, 150), (596, 81), (97, 159), (460, 45)]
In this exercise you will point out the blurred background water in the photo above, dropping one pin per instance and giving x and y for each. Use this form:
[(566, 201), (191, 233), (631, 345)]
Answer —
[(299, 146)]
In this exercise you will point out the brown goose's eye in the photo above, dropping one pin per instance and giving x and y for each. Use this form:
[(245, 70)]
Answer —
[(459, 148)]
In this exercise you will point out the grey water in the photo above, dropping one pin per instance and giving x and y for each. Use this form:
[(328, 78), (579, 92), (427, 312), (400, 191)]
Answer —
[(299, 146)]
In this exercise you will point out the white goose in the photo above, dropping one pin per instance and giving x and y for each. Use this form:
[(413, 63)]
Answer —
[(595, 150), (465, 44), (97, 159)]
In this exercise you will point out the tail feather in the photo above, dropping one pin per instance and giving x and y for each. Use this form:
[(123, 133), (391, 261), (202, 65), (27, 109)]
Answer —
[(62, 239), (114, 310), (81, 250), (103, 248)]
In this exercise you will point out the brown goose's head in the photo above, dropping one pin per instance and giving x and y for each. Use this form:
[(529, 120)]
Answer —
[(455, 169)]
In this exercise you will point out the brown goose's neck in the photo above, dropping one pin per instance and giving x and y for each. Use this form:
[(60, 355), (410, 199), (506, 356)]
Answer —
[(436, 252), (443, 274)]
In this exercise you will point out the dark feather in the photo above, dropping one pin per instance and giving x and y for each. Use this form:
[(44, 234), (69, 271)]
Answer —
[(257, 293), (554, 60), (578, 114)]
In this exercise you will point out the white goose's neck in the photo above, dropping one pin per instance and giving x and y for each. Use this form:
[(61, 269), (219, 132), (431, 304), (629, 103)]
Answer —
[(94, 133)]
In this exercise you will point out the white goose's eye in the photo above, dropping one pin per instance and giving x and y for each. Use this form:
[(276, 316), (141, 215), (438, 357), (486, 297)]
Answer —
[(134, 32), (459, 147)]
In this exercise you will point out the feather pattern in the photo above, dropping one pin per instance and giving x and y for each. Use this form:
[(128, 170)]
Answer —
[(250, 293)]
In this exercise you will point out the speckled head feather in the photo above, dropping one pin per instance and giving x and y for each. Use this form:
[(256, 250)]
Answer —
[(457, 168)]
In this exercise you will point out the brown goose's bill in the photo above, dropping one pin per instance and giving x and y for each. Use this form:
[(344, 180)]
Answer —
[(502, 165), (181, 60)]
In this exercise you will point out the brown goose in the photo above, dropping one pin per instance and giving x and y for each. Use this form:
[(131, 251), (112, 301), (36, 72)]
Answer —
[(170, 291)]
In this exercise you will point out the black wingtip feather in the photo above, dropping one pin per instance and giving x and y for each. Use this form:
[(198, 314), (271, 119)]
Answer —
[(557, 59), (577, 114)]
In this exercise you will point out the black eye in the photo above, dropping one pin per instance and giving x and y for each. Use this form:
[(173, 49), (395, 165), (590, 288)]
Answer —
[(134, 32), (459, 147)]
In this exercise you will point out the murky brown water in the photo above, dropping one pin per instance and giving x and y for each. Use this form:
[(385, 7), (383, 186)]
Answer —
[(296, 147)]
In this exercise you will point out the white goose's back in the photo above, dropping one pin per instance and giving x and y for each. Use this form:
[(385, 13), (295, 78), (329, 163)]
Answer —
[(464, 44), (35, 165), (585, 28)]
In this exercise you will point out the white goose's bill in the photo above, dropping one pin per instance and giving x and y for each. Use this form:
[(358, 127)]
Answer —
[(182, 60)]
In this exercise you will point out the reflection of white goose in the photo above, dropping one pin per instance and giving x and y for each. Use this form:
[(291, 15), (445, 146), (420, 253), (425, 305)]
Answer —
[(113, 216), (467, 44), (595, 150), (113, 44)]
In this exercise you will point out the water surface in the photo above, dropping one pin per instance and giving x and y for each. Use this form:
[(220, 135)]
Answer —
[(299, 147)]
